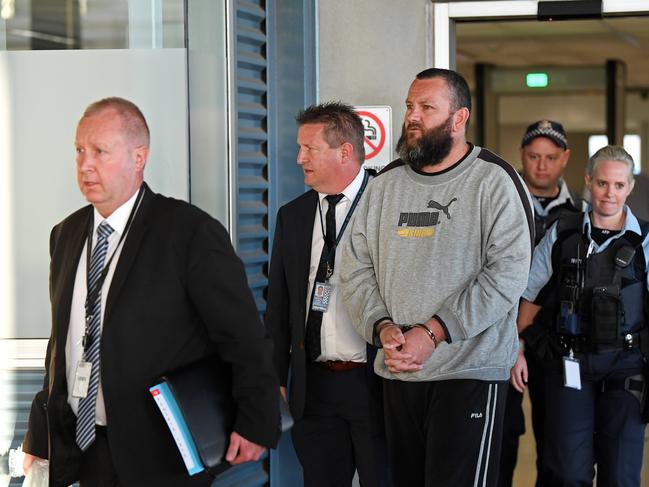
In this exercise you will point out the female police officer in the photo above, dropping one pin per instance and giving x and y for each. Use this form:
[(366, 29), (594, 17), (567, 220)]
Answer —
[(589, 276)]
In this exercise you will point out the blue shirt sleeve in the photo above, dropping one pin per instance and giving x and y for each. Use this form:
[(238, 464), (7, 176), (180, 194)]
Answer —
[(645, 249), (541, 270)]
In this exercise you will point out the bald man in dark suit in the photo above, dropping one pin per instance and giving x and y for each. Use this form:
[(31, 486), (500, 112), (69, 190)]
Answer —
[(171, 292)]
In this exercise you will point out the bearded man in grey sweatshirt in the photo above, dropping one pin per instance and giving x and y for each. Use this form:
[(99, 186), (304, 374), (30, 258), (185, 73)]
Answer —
[(437, 258)]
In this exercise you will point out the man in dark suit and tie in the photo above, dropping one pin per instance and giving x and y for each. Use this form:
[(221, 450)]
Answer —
[(338, 423), (140, 285)]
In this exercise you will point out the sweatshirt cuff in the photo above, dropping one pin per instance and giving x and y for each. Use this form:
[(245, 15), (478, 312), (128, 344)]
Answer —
[(448, 338), (451, 325), (375, 316), (376, 340)]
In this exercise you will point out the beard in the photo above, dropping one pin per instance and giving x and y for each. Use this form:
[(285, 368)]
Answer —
[(429, 149)]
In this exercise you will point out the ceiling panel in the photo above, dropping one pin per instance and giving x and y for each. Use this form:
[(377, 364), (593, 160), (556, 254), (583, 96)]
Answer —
[(564, 43)]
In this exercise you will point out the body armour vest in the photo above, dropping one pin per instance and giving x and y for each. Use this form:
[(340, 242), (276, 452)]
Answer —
[(599, 299), (543, 222)]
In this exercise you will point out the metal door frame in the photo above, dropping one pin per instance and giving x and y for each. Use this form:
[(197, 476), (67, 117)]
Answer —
[(445, 15)]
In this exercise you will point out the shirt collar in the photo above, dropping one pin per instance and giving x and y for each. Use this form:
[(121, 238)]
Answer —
[(352, 188), (562, 198), (631, 223), (117, 219), (564, 194)]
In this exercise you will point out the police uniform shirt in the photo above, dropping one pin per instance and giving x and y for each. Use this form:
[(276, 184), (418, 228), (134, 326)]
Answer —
[(339, 340), (562, 198), (541, 270)]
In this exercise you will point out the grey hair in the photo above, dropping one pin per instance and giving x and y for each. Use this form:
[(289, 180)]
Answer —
[(610, 153)]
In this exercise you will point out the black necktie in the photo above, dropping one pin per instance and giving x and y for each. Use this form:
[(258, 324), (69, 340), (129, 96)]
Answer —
[(325, 268)]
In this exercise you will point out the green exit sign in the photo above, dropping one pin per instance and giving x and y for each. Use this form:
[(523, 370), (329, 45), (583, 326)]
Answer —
[(536, 80)]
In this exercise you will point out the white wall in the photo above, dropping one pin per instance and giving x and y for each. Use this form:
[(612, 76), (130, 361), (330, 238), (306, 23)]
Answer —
[(208, 107), (370, 51)]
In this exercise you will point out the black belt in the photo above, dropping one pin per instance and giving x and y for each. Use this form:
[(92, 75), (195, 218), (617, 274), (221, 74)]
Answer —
[(582, 344), (633, 383)]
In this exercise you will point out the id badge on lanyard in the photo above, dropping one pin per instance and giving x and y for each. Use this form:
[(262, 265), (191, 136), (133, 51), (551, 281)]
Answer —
[(571, 372), (82, 379), (321, 295), (322, 290)]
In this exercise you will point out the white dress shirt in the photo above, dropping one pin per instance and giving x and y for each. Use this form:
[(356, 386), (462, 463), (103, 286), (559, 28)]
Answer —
[(339, 340), (73, 346)]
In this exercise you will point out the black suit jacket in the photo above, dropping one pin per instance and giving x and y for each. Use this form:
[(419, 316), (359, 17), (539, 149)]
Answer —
[(179, 293), (286, 308)]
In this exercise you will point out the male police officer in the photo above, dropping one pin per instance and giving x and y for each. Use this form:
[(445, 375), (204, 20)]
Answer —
[(544, 154)]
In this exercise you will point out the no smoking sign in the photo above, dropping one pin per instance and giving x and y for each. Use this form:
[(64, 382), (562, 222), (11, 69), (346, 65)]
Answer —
[(377, 122)]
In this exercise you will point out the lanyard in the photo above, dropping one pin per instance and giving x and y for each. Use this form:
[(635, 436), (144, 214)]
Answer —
[(332, 250), (92, 294)]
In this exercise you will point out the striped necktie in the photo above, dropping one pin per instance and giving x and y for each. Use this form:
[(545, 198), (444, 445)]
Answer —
[(86, 414)]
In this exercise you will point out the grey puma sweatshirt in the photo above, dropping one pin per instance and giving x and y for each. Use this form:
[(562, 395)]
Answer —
[(456, 245)]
